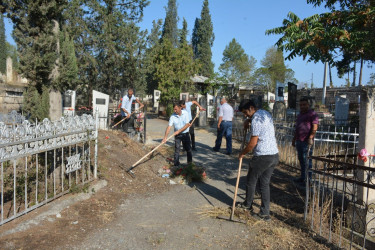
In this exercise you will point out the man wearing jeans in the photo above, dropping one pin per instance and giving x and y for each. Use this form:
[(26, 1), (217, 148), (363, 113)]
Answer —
[(224, 126), (305, 129), (265, 157), (180, 120)]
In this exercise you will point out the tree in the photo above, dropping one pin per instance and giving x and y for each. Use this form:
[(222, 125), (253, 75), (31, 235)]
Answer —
[(34, 24), (170, 30), (12, 53), (68, 68), (274, 69), (3, 46), (183, 33), (237, 66), (202, 41), (339, 37)]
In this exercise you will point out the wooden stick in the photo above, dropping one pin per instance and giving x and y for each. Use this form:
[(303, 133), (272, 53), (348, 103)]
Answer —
[(238, 180), (236, 189), (149, 153), (124, 118)]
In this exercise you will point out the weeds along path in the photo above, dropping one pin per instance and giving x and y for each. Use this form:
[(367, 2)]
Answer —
[(148, 212)]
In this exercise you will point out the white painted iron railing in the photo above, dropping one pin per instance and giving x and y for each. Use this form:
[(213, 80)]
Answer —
[(41, 162)]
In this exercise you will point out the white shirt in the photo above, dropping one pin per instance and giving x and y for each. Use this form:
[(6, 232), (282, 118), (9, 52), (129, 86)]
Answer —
[(127, 104), (226, 111), (179, 121), (188, 109)]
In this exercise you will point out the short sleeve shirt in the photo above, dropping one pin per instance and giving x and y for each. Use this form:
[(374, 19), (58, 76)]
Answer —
[(188, 109), (304, 124), (262, 126), (127, 104), (179, 121), (226, 111)]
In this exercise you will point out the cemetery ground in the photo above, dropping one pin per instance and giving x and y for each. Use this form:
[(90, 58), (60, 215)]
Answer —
[(148, 211)]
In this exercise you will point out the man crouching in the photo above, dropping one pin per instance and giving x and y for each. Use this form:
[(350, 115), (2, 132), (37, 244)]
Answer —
[(180, 120)]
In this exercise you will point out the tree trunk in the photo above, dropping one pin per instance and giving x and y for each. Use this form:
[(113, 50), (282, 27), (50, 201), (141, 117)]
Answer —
[(330, 76), (360, 73)]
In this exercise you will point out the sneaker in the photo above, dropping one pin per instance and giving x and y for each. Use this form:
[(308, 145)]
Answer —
[(262, 217), (243, 205)]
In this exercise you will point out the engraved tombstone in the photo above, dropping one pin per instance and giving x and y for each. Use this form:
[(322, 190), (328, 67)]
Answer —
[(341, 110), (279, 111)]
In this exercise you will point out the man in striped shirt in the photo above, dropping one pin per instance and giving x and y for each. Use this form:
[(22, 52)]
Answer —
[(224, 126)]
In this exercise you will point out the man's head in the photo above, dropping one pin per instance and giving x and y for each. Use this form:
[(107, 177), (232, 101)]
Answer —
[(248, 108), (130, 92), (223, 100), (177, 108), (182, 104), (304, 105)]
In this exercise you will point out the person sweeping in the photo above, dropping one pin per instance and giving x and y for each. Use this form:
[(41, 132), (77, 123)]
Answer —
[(265, 158)]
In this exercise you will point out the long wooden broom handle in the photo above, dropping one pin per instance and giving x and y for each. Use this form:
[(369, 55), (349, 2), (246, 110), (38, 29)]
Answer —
[(124, 118), (152, 151)]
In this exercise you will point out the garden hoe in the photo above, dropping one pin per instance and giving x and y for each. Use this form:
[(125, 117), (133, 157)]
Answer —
[(236, 189), (129, 170)]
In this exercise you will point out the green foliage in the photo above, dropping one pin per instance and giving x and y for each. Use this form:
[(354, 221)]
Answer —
[(12, 53), (169, 109), (68, 68), (170, 30), (3, 46), (237, 66), (338, 37), (191, 173), (173, 69), (274, 69), (183, 32), (35, 104), (202, 41)]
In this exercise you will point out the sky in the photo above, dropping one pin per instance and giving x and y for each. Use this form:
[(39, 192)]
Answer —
[(246, 21)]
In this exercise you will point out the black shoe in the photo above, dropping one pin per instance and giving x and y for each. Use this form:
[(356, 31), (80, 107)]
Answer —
[(228, 153), (243, 205), (215, 150), (262, 217)]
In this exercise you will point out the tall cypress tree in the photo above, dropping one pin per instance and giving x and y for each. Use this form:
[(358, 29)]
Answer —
[(203, 38), (170, 30), (195, 38), (183, 32), (3, 46)]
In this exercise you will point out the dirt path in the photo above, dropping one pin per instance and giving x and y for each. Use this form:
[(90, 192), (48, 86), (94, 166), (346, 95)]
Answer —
[(147, 212)]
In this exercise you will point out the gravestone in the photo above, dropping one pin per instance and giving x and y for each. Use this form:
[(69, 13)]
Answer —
[(55, 105), (341, 110), (279, 111), (100, 105)]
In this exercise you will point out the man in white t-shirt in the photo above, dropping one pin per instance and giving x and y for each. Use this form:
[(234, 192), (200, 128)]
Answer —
[(180, 120), (126, 108), (187, 106)]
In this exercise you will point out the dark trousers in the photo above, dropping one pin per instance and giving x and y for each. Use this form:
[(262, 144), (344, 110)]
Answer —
[(192, 136), (302, 151), (185, 139), (225, 130), (261, 167), (127, 123)]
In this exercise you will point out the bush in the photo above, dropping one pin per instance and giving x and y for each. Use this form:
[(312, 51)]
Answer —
[(169, 109), (36, 104)]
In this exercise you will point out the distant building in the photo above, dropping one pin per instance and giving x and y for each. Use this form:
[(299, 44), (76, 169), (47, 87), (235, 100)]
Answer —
[(12, 87)]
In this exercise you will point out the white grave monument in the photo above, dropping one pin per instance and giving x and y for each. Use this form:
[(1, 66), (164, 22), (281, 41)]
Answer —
[(100, 104), (69, 103)]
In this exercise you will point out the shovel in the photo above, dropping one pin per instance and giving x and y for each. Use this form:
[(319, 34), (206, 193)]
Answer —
[(129, 170)]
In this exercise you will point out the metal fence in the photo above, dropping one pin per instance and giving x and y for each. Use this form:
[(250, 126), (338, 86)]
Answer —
[(329, 140), (41, 162), (339, 203)]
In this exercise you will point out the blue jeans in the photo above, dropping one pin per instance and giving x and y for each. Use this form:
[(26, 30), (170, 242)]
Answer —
[(225, 130), (302, 148)]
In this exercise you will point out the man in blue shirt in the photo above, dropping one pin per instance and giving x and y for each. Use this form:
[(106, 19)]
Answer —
[(126, 108), (265, 157), (180, 120), (187, 106)]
